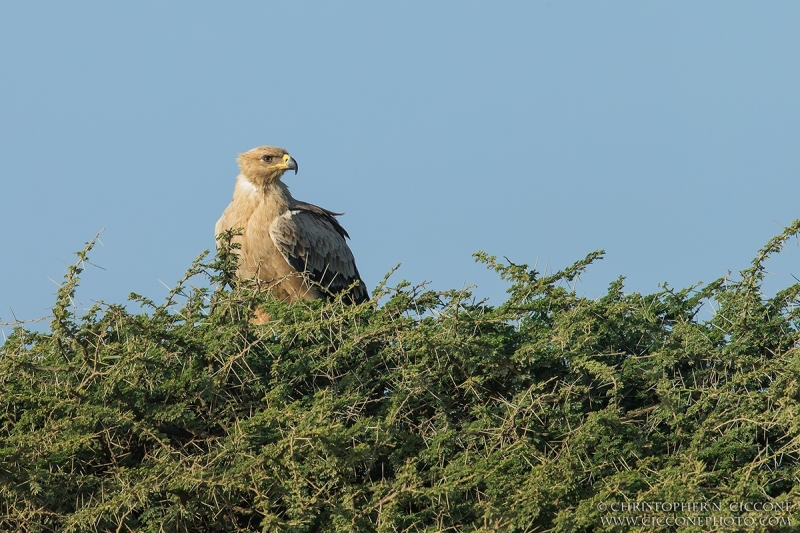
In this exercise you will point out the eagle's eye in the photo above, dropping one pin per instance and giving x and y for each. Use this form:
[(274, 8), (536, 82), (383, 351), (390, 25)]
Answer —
[(267, 158)]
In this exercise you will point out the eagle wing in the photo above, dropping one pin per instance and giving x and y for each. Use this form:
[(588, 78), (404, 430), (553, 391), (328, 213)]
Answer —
[(313, 242)]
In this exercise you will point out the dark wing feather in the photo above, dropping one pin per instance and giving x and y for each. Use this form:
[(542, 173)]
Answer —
[(313, 242)]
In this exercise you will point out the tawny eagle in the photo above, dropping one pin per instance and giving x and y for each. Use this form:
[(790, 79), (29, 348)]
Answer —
[(299, 249)]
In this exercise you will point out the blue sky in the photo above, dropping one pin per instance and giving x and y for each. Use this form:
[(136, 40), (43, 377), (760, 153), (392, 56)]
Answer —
[(665, 133)]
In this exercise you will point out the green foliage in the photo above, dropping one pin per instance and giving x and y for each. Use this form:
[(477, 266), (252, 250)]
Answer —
[(429, 412)]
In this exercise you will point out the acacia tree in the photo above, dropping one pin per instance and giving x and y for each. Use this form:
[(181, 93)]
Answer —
[(428, 412)]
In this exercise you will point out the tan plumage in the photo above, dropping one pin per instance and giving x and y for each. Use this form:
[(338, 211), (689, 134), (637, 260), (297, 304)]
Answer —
[(294, 246)]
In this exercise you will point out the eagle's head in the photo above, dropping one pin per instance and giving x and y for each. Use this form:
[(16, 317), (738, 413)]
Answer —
[(265, 164)]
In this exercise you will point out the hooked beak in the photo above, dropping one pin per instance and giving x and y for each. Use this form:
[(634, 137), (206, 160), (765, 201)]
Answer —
[(290, 163)]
